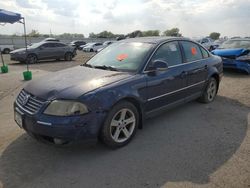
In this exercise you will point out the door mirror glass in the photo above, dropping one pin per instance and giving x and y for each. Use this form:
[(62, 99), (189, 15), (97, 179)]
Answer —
[(159, 65)]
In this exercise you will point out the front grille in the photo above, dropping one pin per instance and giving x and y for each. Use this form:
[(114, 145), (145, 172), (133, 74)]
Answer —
[(29, 103)]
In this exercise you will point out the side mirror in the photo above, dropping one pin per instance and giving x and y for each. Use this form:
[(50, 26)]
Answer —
[(159, 65)]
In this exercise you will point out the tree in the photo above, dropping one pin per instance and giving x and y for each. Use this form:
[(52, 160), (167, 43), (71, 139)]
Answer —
[(33, 33), (214, 35), (103, 34), (174, 32), (92, 35), (136, 33), (150, 33)]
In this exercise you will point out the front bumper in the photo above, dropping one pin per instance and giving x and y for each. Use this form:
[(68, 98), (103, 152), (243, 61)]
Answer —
[(17, 57), (72, 128)]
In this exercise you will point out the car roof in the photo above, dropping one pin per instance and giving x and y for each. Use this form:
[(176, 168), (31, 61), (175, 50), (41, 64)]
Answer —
[(45, 42), (153, 40)]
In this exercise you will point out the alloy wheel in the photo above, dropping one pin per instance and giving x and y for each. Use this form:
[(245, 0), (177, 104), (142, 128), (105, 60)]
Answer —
[(211, 90), (122, 125)]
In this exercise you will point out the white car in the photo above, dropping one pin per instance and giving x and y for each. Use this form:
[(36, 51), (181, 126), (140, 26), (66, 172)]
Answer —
[(92, 47), (6, 49)]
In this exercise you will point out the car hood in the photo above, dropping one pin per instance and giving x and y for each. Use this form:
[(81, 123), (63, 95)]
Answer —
[(18, 50), (72, 83), (229, 52)]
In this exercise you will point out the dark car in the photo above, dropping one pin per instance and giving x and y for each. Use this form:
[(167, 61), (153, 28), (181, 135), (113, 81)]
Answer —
[(43, 51), (235, 54), (111, 95), (77, 44)]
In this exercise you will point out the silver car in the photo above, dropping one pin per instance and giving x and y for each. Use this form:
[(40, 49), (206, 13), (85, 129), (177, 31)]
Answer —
[(42, 51)]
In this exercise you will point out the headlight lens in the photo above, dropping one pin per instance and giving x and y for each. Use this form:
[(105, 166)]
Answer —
[(66, 108)]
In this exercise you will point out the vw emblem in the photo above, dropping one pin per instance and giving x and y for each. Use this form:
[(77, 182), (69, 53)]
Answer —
[(26, 99)]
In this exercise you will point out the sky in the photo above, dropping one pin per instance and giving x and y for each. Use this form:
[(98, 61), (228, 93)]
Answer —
[(194, 18)]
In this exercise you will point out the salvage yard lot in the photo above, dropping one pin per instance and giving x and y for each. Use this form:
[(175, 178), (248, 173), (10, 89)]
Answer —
[(193, 145)]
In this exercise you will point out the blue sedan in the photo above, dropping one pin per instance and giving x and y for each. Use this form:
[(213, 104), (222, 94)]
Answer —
[(235, 54), (111, 95)]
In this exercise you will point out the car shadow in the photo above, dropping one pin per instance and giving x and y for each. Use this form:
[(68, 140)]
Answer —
[(234, 73), (187, 143)]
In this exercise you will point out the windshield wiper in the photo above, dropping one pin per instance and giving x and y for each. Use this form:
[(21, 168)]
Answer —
[(87, 65), (105, 67)]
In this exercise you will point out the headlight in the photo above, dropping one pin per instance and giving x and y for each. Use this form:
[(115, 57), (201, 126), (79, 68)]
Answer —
[(66, 108), (244, 58)]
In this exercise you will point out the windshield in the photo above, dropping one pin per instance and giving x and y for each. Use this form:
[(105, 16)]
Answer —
[(236, 44), (121, 56)]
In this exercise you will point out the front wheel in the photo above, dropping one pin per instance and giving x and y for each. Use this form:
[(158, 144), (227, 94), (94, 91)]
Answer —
[(32, 58), (68, 56), (210, 91), (120, 125)]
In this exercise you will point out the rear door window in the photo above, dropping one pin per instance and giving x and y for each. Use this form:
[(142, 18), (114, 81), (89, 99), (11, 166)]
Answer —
[(191, 50)]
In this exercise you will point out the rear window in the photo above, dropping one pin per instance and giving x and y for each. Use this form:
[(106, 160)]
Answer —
[(192, 51)]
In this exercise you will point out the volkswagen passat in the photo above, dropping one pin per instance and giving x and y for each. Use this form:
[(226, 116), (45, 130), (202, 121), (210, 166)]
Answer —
[(111, 95)]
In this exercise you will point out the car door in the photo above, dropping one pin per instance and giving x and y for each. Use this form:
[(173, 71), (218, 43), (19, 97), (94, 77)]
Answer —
[(195, 66), (165, 88), (60, 50), (46, 51)]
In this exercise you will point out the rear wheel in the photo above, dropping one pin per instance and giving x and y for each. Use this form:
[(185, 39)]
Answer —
[(68, 56), (210, 91), (120, 125), (6, 51), (32, 58)]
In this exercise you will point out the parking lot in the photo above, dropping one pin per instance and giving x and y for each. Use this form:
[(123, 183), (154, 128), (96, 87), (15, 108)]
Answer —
[(193, 145)]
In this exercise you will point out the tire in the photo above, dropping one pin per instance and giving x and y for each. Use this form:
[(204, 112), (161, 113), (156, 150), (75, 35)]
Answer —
[(31, 59), (210, 91), (68, 56), (116, 131), (22, 62), (6, 51), (91, 50)]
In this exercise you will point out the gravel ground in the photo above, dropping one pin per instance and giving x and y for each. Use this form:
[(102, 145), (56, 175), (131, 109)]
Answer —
[(193, 145)]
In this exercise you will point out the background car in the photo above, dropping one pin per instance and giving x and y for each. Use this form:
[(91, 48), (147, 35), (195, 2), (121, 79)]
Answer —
[(42, 51), (92, 47), (77, 44), (235, 54), (208, 43), (6, 49), (51, 40), (111, 95), (105, 44)]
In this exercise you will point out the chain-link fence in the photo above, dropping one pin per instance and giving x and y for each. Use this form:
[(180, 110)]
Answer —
[(18, 42)]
